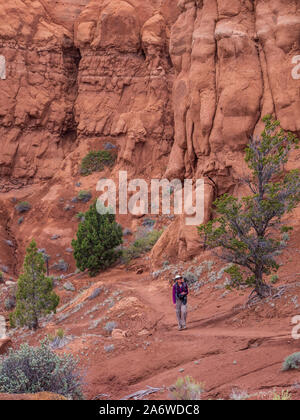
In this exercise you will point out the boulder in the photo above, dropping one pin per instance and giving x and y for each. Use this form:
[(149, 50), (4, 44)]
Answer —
[(5, 344)]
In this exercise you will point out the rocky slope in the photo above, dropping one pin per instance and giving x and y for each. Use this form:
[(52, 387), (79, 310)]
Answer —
[(120, 317)]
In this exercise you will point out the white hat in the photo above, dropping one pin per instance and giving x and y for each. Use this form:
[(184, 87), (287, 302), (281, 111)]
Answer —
[(178, 277)]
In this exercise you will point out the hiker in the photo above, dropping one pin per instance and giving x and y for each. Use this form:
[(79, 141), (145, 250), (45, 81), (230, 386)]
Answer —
[(180, 292)]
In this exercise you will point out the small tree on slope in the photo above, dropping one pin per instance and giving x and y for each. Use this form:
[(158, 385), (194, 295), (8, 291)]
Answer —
[(97, 238), (248, 231), (35, 296)]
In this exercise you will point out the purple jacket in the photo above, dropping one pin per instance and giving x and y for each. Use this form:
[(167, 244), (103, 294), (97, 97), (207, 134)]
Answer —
[(180, 289)]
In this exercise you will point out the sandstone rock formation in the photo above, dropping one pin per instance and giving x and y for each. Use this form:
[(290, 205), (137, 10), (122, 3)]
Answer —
[(233, 62), (178, 89), (36, 102)]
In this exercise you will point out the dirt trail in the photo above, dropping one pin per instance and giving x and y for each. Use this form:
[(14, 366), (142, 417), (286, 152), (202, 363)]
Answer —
[(224, 357), (225, 346), (158, 297)]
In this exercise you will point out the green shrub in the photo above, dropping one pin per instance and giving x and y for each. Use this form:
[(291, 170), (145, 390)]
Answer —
[(50, 337), (141, 246), (23, 207), (80, 216), (190, 277), (292, 362), (58, 340), (98, 237), (60, 333), (96, 161), (36, 369), (246, 229), (110, 326), (187, 389), (10, 303), (274, 279), (84, 196), (35, 296)]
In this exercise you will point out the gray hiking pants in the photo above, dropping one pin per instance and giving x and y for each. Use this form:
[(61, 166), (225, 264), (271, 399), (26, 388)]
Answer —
[(181, 313)]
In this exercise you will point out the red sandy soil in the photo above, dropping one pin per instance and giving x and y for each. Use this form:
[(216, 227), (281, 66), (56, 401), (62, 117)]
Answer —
[(227, 346)]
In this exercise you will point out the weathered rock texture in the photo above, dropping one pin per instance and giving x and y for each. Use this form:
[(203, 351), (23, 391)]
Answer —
[(5, 344), (37, 97), (233, 61), (125, 78), (179, 89)]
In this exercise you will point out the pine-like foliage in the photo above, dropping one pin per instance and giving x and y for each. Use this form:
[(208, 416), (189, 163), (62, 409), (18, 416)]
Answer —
[(97, 238), (35, 296), (250, 232)]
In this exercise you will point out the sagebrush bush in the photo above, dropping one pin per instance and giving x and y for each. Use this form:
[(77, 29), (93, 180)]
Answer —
[(190, 277), (23, 207), (141, 246), (187, 389), (291, 362), (29, 370), (10, 303), (61, 265), (274, 279), (80, 216), (59, 340), (96, 161), (110, 326), (284, 396), (238, 395), (84, 196)]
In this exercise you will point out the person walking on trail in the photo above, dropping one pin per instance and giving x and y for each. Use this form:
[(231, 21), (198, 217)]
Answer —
[(180, 292)]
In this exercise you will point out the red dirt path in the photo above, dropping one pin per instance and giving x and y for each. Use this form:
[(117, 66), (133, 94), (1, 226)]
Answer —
[(233, 347)]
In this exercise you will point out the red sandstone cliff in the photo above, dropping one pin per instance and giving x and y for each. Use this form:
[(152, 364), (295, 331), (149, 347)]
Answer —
[(179, 89)]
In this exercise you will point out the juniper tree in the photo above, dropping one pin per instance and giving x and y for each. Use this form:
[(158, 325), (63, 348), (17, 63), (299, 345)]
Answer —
[(98, 236), (250, 232), (35, 296)]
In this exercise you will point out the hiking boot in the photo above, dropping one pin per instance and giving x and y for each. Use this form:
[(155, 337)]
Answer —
[(184, 328), (179, 328)]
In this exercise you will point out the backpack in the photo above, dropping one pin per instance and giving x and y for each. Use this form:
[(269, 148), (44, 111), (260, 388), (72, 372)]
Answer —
[(182, 298)]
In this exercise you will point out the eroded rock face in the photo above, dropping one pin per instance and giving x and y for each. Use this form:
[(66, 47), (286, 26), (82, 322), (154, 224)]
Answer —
[(233, 62), (178, 88), (37, 96), (97, 71), (125, 78)]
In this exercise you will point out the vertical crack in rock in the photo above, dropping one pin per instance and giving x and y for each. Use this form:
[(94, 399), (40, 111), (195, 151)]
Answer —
[(71, 60)]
